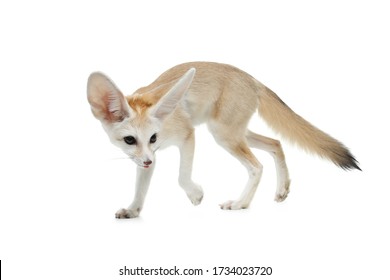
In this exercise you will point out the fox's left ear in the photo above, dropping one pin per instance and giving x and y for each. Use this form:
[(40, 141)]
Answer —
[(169, 101)]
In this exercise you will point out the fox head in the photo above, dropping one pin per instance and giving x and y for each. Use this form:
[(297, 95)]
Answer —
[(134, 130)]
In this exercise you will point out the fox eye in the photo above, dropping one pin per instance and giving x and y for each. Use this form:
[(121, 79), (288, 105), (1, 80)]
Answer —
[(153, 139), (130, 140)]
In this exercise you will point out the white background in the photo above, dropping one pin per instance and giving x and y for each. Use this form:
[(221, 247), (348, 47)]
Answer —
[(62, 181)]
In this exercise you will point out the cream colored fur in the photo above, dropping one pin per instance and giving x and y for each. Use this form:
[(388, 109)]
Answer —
[(165, 112)]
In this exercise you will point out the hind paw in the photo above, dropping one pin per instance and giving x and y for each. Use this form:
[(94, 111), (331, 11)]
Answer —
[(281, 197), (282, 193)]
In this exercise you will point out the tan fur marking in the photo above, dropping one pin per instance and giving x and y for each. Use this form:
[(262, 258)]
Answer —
[(139, 104), (243, 151), (146, 97)]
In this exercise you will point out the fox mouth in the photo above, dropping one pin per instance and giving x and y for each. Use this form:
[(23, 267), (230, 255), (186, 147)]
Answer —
[(143, 165)]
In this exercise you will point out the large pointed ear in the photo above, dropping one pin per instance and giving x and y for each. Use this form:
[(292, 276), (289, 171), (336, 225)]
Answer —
[(169, 101), (107, 102)]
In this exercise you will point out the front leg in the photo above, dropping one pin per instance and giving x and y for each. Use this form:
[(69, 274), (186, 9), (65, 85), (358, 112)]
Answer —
[(193, 190), (142, 185)]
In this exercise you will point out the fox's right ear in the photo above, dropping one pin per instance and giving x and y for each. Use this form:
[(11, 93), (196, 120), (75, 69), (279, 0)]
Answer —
[(107, 102)]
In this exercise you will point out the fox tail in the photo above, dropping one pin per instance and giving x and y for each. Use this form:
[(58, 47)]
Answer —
[(283, 120)]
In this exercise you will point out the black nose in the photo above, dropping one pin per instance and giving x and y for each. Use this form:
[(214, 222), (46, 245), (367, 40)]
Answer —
[(148, 162)]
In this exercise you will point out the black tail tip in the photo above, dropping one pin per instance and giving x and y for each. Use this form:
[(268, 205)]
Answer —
[(349, 163)]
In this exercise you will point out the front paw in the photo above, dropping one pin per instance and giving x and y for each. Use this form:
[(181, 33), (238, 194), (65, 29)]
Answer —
[(233, 205), (127, 213), (195, 194)]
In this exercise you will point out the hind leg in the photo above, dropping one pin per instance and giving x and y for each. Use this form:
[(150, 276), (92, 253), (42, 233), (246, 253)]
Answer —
[(275, 149), (236, 145)]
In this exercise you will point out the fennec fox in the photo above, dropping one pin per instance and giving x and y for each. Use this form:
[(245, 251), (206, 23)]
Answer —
[(165, 112)]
